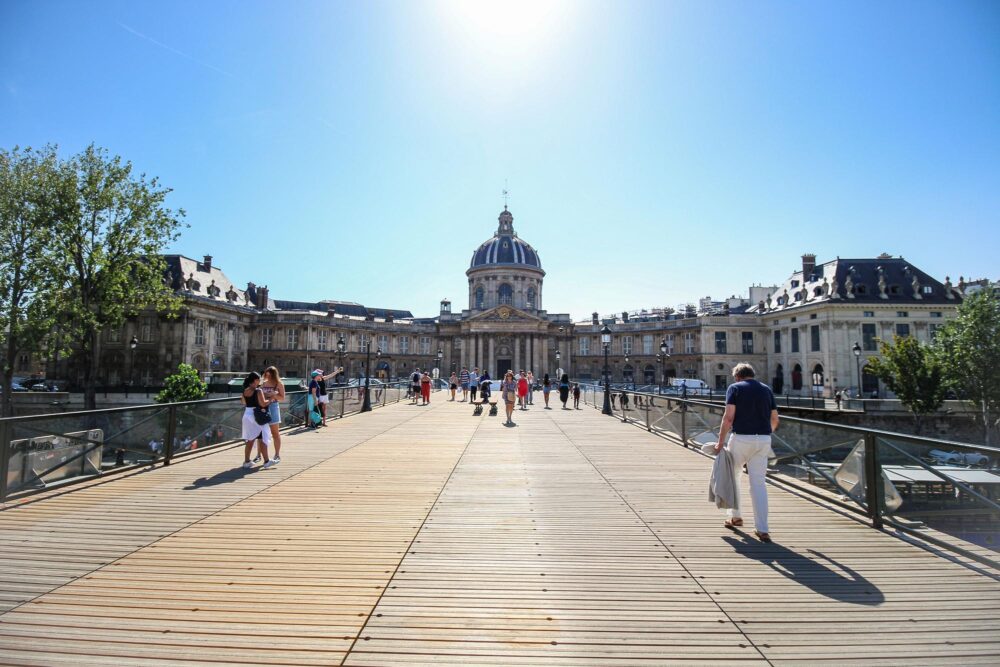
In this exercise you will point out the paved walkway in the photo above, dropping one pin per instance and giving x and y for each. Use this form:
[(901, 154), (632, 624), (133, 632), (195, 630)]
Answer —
[(417, 535)]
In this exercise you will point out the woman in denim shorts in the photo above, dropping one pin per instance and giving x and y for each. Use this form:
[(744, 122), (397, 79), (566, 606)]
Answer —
[(274, 391)]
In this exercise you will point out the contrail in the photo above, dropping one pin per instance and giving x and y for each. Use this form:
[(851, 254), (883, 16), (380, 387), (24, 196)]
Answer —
[(174, 51)]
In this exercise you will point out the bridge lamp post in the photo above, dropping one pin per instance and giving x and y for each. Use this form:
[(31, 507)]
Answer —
[(857, 362), (606, 343), (132, 344), (440, 356), (663, 362), (366, 405)]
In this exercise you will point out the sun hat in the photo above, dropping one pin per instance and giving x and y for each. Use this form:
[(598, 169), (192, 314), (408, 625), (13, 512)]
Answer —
[(315, 373)]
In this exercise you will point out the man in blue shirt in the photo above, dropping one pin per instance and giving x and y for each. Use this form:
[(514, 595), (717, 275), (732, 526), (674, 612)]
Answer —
[(474, 383), (750, 418)]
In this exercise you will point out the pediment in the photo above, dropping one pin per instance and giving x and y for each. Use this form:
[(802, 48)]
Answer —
[(504, 314)]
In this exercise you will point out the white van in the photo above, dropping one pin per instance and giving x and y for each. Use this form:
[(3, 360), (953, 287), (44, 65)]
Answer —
[(694, 386)]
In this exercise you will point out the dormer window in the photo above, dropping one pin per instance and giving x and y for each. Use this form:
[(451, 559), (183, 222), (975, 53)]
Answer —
[(861, 289), (894, 290), (817, 291), (927, 289), (795, 283)]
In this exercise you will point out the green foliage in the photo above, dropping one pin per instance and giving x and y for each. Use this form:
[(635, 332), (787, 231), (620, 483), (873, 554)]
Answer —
[(912, 371), (184, 385), (969, 349), (29, 206), (109, 238)]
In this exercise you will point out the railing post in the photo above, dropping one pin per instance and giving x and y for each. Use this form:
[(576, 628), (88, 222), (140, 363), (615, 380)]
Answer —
[(5, 455), (646, 407), (343, 400), (684, 437), (873, 480), (168, 444)]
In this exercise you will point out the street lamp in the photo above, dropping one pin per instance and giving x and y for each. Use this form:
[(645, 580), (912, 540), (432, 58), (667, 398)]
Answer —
[(341, 349), (132, 344), (857, 362), (366, 405), (663, 362), (606, 342), (440, 356)]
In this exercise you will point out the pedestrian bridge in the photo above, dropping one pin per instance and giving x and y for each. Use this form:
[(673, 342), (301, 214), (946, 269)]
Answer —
[(426, 536)]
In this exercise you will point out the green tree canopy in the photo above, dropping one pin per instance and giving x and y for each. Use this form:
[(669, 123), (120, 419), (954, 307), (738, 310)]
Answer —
[(969, 350), (109, 243), (184, 385), (912, 371)]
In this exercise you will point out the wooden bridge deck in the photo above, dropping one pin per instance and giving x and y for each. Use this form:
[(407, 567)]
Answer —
[(419, 536)]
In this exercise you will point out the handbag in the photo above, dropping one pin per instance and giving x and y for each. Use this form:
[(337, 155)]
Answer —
[(261, 416)]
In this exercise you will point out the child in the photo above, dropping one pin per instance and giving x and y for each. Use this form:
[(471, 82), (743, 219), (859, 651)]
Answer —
[(576, 396)]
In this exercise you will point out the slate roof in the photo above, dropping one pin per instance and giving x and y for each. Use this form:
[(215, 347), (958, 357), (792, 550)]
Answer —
[(505, 248)]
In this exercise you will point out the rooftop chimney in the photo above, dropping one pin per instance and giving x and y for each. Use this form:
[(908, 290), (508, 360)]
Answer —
[(595, 319), (808, 266), (207, 263), (262, 298), (624, 316)]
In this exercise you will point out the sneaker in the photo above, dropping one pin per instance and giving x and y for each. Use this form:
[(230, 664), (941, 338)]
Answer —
[(277, 460), (247, 464), (269, 464), (257, 459)]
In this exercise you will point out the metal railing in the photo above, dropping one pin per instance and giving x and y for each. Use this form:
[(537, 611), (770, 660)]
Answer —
[(40, 451), (923, 483)]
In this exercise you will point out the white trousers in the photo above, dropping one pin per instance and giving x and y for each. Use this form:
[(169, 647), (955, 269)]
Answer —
[(752, 450)]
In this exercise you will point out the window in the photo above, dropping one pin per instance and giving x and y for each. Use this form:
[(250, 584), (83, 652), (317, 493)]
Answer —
[(425, 345), (146, 331), (584, 346), (688, 343), (868, 336), (670, 344), (935, 313), (530, 303), (321, 338), (720, 342), (220, 335), (293, 339), (364, 340), (902, 313), (480, 298), (115, 335), (861, 289), (777, 341), (812, 316), (505, 295), (895, 290), (647, 344), (404, 343), (869, 313), (266, 336), (814, 338), (626, 345), (237, 342), (902, 329), (795, 340), (383, 343), (932, 330), (747, 340), (927, 289), (793, 320), (199, 332)]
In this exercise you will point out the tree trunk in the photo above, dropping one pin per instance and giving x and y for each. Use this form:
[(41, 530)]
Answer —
[(7, 406), (90, 365)]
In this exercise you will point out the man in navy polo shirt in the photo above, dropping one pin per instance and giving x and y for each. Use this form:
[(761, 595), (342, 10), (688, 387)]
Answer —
[(751, 416)]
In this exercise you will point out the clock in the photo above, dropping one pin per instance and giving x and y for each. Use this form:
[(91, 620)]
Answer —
[(504, 313)]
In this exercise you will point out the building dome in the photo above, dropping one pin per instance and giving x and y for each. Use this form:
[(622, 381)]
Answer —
[(505, 248)]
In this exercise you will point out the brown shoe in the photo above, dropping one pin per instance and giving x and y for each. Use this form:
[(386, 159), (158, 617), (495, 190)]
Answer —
[(763, 537), (733, 524)]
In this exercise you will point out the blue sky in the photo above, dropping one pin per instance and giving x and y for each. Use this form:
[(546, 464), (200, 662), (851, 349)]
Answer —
[(655, 152)]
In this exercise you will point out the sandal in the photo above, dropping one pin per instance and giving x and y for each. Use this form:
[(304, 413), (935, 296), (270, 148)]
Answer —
[(732, 524), (763, 537)]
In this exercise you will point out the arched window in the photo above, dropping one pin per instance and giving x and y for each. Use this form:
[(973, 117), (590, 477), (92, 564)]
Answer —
[(817, 378), (530, 303), (505, 295), (797, 377), (649, 374), (778, 384), (480, 298), (628, 373)]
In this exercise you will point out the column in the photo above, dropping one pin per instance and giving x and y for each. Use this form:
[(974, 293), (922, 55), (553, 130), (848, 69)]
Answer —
[(545, 356), (516, 341), (479, 352), (491, 358)]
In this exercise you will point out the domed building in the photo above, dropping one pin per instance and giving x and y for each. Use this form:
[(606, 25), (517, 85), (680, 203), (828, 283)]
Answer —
[(505, 271)]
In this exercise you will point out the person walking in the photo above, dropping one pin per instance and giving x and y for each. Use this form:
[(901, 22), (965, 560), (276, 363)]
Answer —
[(274, 392), (750, 418), (473, 384), (508, 391), (425, 388), (564, 390), (252, 397), (415, 385), (576, 395), (484, 387), (522, 390), (531, 388), (463, 382), (453, 384), (546, 388)]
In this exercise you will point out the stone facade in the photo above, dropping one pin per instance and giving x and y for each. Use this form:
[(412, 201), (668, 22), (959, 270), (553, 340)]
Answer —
[(799, 336)]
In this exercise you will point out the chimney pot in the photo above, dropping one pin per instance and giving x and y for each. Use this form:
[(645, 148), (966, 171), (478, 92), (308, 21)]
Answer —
[(208, 263)]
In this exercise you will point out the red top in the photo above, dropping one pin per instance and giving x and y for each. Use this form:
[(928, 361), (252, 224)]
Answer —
[(522, 387)]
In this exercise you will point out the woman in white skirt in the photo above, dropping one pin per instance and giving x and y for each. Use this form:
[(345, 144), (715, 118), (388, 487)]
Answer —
[(253, 397)]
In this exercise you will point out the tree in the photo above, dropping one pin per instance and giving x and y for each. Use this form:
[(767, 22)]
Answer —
[(28, 206), (109, 244), (912, 371), (969, 350), (184, 385)]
